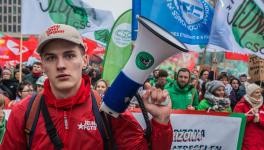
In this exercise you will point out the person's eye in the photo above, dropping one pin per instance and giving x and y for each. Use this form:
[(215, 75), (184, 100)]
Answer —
[(70, 56), (50, 58)]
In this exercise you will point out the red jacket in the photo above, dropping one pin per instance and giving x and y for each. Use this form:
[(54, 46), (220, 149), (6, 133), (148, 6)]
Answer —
[(254, 133), (82, 132)]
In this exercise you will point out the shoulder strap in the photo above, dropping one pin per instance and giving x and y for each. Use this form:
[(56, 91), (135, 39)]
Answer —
[(103, 125), (31, 117), (36, 104), (32, 114), (50, 128)]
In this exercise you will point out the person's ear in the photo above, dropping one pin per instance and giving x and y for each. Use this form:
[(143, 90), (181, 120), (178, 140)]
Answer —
[(42, 65), (85, 60)]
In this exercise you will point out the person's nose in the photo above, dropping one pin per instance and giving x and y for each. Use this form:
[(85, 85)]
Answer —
[(61, 64)]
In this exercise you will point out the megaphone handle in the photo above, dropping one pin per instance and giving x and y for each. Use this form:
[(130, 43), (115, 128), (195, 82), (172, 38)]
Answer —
[(108, 110), (146, 118)]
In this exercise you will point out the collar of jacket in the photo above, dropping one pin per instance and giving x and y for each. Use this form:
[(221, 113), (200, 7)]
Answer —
[(80, 97), (185, 89)]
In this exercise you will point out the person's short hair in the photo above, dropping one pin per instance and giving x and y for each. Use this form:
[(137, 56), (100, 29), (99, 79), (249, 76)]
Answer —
[(202, 72), (222, 76), (243, 75), (155, 70), (37, 63), (101, 80), (26, 70), (21, 85), (232, 79), (184, 70), (17, 66), (163, 73), (15, 71)]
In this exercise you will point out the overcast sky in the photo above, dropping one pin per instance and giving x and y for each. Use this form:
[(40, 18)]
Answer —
[(116, 6)]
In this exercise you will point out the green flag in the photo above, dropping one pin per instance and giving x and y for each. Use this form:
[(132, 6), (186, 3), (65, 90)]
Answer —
[(119, 47)]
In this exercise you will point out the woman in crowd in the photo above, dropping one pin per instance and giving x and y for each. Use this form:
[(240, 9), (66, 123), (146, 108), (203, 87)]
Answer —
[(252, 106), (215, 98), (234, 94), (17, 75), (101, 86), (203, 76)]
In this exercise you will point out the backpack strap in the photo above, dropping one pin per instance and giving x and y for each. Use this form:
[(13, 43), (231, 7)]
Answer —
[(31, 117), (37, 103), (50, 128), (103, 125)]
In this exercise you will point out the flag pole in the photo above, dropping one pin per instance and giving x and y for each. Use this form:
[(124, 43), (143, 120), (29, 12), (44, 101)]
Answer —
[(214, 64), (20, 59), (203, 59)]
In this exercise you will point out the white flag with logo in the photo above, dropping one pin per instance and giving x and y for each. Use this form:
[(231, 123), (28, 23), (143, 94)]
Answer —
[(37, 15), (238, 27)]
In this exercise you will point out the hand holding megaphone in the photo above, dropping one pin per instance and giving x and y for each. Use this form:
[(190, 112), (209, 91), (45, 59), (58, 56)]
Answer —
[(157, 103), (153, 45)]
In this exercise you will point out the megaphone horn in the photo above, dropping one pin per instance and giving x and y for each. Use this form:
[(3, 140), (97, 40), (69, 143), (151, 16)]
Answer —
[(153, 45)]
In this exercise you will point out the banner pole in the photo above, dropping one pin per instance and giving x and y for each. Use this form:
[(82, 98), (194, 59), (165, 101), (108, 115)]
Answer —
[(203, 59), (20, 58), (214, 64)]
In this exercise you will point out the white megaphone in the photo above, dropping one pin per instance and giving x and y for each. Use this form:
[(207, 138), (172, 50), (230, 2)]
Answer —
[(153, 45)]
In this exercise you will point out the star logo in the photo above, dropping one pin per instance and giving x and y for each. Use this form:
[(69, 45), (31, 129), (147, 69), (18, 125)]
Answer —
[(87, 125)]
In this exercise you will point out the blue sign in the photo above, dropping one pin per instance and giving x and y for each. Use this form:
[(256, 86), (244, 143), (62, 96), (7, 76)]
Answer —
[(188, 20)]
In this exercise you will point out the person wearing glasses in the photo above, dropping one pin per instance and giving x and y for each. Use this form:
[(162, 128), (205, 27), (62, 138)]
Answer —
[(24, 89)]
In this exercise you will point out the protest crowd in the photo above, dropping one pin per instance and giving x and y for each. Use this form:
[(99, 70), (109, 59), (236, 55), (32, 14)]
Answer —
[(188, 90), (61, 99)]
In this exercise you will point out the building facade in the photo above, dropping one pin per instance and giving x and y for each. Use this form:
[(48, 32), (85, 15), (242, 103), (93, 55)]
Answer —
[(10, 17)]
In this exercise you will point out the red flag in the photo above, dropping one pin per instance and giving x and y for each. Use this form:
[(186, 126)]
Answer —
[(236, 56), (10, 48), (93, 47)]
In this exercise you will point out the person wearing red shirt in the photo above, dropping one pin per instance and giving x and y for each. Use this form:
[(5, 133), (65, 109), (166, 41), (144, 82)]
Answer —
[(67, 95), (252, 106)]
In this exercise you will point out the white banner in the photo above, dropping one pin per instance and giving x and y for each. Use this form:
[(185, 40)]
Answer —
[(205, 131), (238, 27), (7, 113), (37, 15)]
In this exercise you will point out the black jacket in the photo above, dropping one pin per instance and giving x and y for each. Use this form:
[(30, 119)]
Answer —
[(10, 87)]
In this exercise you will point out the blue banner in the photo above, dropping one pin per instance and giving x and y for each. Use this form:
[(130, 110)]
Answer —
[(188, 20), (135, 11)]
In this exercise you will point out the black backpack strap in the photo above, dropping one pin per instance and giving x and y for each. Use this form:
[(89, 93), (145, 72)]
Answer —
[(31, 118), (50, 128), (148, 130), (108, 126), (99, 121), (103, 126)]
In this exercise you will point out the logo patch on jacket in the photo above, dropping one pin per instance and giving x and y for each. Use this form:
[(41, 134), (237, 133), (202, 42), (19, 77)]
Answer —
[(87, 125)]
